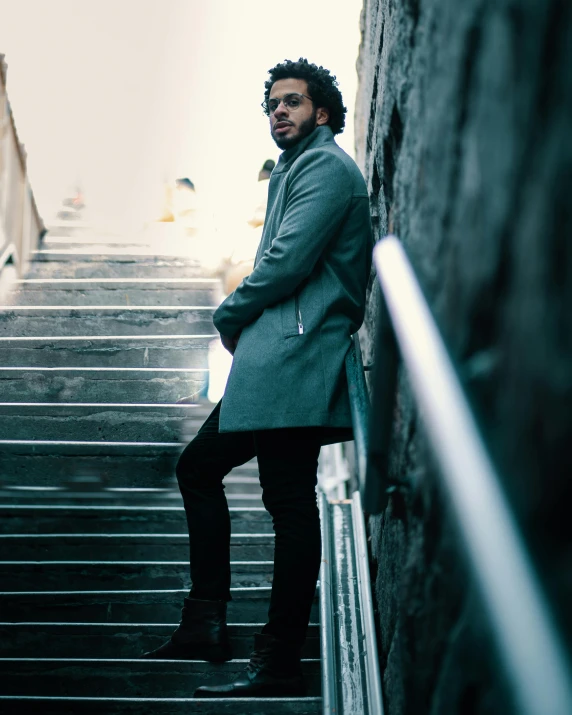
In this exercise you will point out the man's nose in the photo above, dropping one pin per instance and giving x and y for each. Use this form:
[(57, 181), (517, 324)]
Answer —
[(281, 110)]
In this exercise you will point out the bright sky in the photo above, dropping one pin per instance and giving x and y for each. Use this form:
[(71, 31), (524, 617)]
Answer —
[(124, 94)]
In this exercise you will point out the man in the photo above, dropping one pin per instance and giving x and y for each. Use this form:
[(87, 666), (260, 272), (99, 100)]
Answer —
[(288, 325)]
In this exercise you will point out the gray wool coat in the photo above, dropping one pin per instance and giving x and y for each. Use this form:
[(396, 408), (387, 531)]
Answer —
[(305, 297)]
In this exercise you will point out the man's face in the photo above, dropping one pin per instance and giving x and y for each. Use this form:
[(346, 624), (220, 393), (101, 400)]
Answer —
[(289, 127)]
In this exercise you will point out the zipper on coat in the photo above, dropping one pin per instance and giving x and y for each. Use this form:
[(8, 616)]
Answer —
[(298, 316)]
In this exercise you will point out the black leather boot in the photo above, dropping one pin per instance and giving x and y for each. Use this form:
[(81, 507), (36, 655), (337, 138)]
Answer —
[(201, 635), (273, 671)]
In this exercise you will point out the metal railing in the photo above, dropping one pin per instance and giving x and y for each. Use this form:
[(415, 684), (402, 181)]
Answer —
[(369, 644), (527, 641), (351, 682)]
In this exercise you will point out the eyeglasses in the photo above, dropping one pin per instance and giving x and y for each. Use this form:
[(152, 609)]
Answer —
[(291, 101)]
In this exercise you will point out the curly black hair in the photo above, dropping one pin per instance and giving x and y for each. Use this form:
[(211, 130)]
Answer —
[(322, 86)]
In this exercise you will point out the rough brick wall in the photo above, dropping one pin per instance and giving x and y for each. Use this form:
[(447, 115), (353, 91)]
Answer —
[(464, 132)]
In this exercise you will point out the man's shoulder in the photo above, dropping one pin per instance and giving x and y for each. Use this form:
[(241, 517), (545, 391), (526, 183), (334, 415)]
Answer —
[(331, 160)]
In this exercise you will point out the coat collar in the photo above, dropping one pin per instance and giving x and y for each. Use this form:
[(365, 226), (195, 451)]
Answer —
[(320, 136)]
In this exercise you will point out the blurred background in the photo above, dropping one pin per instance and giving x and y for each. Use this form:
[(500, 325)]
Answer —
[(117, 99)]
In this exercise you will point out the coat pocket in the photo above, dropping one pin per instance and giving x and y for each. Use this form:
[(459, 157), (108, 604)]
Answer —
[(292, 324)]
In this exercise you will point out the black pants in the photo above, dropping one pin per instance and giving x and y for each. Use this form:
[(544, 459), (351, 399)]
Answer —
[(288, 463)]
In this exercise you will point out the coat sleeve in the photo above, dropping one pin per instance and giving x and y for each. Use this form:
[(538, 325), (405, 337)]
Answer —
[(319, 195)]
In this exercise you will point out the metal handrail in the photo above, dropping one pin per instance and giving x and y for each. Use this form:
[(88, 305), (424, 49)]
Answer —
[(359, 405), (527, 640)]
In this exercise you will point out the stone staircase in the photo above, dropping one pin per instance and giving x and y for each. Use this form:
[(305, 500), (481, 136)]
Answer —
[(97, 344)]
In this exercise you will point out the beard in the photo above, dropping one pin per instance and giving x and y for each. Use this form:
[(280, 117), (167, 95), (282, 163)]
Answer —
[(304, 130)]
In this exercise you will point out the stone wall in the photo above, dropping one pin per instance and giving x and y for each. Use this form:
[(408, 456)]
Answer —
[(464, 132)]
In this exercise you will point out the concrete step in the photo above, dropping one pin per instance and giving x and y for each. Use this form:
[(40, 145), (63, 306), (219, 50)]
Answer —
[(90, 465), (97, 246), (74, 384), (100, 422), (68, 546), (110, 254), (94, 465), (99, 267), (58, 235), (156, 351), (69, 227), (54, 239), (30, 321), (95, 519), (114, 294), (248, 605), (80, 494), (140, 245), (117, 640), (159, 706), (240, 490), (144, 284), (117, 574), (173, 240), (126, 678)]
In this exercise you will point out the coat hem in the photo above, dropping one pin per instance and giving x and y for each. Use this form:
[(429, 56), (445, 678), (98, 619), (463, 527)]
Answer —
[(289, 419)]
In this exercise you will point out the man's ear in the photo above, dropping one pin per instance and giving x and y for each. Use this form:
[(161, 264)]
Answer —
[(322, 116)]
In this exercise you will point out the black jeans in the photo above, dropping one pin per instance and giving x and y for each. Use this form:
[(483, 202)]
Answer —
[(287, 463)]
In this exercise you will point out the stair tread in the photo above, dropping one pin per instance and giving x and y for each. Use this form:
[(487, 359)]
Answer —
[(117, 294), (38, 705), (109, 496), (248, 605), (120, 677), (73, 267), (51, 575), (42, 518), (107, 320), (124, 547)]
